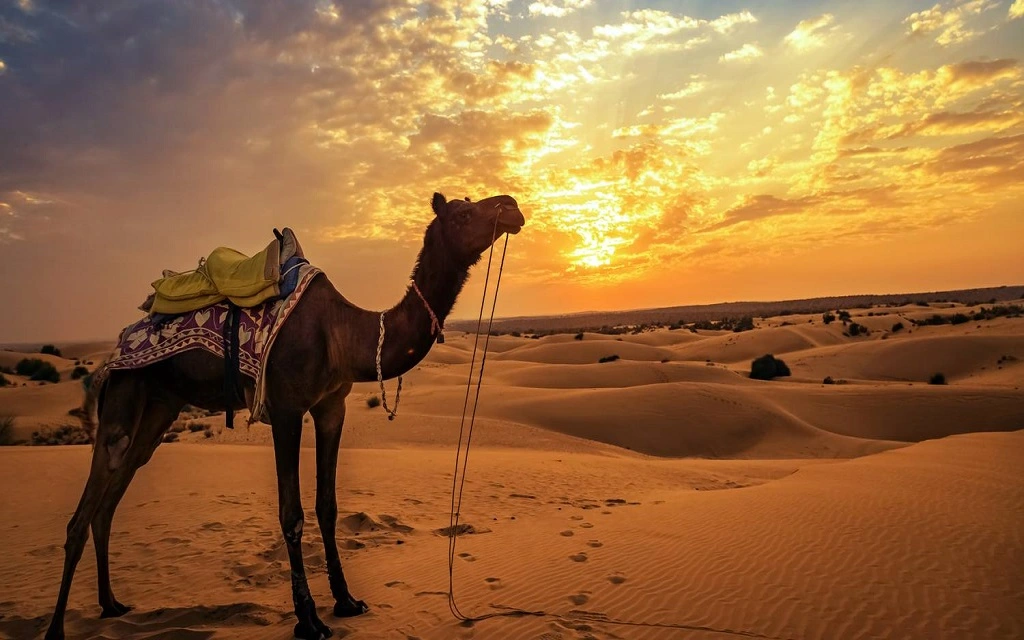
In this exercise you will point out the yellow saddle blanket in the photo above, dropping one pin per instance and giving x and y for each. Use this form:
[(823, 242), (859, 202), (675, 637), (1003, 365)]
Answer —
[(226, 274)]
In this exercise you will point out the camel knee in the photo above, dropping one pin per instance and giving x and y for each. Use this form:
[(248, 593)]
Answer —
[(292, 530)]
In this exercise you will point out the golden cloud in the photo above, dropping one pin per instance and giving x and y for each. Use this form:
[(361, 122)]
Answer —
[(746, 53), (811, 33)]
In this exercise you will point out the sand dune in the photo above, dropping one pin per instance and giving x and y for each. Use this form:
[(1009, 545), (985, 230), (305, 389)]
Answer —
[(666, 491), (858, 549)]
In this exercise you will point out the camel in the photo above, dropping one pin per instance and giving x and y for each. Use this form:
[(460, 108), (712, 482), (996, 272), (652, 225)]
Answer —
[(326, 345)]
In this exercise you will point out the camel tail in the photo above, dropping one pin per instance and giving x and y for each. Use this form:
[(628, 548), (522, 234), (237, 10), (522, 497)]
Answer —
[(88, 413)]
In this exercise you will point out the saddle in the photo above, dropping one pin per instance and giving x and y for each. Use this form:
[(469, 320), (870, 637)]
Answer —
[(227, 274)]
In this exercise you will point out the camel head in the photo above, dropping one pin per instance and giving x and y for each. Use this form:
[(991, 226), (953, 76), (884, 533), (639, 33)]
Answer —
[(469, 228)]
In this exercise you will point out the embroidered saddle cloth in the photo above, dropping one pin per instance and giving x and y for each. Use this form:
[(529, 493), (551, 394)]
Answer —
[(158, 337), (226, 274)]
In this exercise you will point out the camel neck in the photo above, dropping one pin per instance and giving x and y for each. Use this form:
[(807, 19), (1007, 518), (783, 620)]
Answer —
[(408, 325)]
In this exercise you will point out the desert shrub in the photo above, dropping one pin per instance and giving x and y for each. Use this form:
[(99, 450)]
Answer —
[(744, 324), (857, 330), (193, 427), (844, 316), (373, 402), (208, 432), (922, 303), (612, 358), (578, 336), (4, 381), (170, 437), (516, 334), (79, 372), (50, 350), (37, 369), (64, 434), (28, 366), (178, 427), (828, 317), (6, 430), (897, 327), (828, 380), (6, 370), (767, 367), (959, 318), (938, 378)]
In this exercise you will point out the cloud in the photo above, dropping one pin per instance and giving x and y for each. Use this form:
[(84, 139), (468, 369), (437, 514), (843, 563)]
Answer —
[(746, 53), (950, 24), (557, 8), (762, 206), (696, 84), (726, 23), (811, 34), (1016, 10)]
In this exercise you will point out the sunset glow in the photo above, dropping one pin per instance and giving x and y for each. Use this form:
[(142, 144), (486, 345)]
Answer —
[(663, 153)]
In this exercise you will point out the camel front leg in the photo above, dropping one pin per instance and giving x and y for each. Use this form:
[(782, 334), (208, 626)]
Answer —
[(287, 430), (329, 418)]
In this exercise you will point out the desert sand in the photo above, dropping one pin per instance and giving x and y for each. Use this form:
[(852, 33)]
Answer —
[(662, 495)]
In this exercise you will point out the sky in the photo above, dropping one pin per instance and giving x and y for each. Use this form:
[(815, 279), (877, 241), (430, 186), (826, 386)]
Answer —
[(663, 152)]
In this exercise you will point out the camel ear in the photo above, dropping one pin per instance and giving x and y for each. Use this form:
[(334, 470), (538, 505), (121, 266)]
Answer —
[(438, 203)]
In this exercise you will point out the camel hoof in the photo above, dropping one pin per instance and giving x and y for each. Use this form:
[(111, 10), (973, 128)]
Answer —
[(350, 609), (317, 631), (115, 610), (55, 633)]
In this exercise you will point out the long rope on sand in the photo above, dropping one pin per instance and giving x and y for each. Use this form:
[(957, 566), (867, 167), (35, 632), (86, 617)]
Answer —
[(459, 483)]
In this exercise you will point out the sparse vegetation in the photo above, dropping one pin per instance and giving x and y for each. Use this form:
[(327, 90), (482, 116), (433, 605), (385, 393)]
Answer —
[(856, 329), (208, 432), (373, 402), (768, 367), (828, 380), (51, 350), (6, 370), (177, 427), (4, 381), (6, 430), (938, 378), (611, 358), (578, 336), (744, 324), (896, 328), (959, 318), (170, 437), (37, 370), (64, 434), (828, 317), (79, 372), (844, 316), (193, 427)]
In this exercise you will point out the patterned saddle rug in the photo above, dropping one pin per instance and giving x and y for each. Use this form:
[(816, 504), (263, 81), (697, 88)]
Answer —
[(156, 338)]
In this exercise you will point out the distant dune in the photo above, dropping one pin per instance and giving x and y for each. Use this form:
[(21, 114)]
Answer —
[(734, 310)]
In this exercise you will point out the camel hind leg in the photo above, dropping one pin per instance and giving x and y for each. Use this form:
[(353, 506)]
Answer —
[(157, 417), (123, 408)]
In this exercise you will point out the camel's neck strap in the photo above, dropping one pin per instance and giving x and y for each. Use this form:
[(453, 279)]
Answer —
[(436, 328)]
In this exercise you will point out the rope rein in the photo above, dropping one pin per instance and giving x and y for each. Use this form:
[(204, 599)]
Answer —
[(380, 376)]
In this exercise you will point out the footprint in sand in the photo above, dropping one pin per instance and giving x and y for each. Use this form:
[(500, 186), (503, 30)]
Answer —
[(579, 598), (616, 579), (396, 584), (578, 557), (467, 557), (586, 525), (567, 533), (596, 544), (493, 583), (575, 517)]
